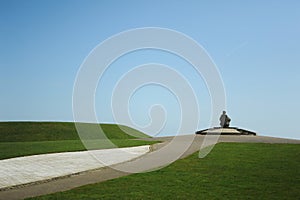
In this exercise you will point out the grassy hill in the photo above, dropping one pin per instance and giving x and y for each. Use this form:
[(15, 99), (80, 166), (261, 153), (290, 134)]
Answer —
[(230, 171), (53, 131), (29, 138)]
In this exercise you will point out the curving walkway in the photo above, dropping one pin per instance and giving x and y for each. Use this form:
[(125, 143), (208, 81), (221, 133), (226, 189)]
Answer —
[(30, 169), (159, 153)]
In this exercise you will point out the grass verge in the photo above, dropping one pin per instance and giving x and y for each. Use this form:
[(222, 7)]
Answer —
[(230, 171), (53, 131), (16, 149), (29, 138)]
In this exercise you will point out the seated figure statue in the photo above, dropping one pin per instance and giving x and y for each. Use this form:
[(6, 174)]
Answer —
[(224, 120)]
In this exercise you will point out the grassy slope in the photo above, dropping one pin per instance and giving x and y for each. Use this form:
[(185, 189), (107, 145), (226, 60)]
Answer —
[(52, 131), (29, 138), (16, 149), (230, 171)]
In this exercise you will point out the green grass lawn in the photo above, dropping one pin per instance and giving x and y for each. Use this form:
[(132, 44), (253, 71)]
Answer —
[(16, 149), (53, 131), (29, 138), (230, 171)]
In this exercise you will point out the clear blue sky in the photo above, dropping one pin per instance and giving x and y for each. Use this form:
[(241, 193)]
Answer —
[(255, 45)]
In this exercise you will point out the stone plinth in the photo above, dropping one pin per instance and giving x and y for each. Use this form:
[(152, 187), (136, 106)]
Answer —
[(225, 131)]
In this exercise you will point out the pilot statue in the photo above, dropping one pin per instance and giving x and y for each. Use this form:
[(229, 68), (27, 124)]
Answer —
[(224, 120)]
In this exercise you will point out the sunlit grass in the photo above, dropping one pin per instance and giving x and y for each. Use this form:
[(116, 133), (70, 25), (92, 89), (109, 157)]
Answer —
[(230, 171)]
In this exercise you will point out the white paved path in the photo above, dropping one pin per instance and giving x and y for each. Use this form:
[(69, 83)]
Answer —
[(28, 169)]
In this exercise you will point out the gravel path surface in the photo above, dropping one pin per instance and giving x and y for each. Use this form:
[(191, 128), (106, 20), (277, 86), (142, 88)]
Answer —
[(160, 155)]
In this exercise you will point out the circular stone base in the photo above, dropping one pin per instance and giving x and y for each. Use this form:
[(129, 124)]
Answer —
[(225, 131)]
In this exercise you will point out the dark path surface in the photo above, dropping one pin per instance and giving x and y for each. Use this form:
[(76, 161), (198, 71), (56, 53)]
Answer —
[(162, 154)]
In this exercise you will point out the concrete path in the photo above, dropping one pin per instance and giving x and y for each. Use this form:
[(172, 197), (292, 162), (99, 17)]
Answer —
[(160, 153), (30, 169)]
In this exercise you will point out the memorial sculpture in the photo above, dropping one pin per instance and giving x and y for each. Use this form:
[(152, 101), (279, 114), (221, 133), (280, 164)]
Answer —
[(224, 120), (225, 128)]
